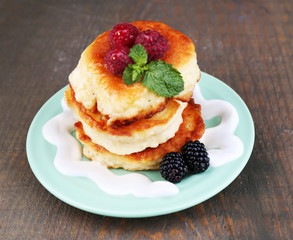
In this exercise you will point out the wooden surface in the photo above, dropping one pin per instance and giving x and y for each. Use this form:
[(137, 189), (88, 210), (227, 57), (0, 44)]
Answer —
[(247, 44)]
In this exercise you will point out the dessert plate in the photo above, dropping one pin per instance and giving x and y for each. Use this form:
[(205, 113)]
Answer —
[(84, 194)]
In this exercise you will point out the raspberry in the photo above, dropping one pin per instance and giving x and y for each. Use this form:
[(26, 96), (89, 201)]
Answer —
[(195, 156), (117, 59), (123, 34), (173, 167), (155, 44)]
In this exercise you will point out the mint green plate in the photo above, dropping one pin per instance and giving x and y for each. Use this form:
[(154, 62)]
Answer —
[(84, 194)]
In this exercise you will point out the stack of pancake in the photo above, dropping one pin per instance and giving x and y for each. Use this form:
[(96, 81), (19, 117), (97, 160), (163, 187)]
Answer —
[(131, 127)]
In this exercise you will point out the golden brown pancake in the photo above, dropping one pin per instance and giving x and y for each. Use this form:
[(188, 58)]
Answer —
[(98, 122), (98, 89), (192, 128), (131, 138)]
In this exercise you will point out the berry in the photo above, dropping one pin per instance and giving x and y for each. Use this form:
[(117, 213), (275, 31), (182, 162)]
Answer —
[(195, 156), (173, 167), (155, 44), (117, 59), (123, 34)]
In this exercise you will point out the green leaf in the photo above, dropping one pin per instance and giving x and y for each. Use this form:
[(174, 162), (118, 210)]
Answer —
[(163, 79), (138, 54), (137, 75), (127, 75), (158, 76)]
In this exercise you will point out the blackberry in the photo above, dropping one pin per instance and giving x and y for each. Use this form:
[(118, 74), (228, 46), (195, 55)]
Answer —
[(173, 167), (195, 156)]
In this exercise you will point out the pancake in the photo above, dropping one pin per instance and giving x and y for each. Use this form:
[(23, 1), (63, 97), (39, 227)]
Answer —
[(99, 90), (192, 128), (131, 138)]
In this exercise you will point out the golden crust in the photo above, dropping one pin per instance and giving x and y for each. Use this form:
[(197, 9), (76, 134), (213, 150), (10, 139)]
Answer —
[(180, 52), (192, 128), (98, 122), (129, 138), (125, 104)]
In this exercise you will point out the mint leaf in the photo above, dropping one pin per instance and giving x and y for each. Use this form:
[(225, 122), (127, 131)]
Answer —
[(138, 72), (163, 79), (137, 75), (158, 76), (138, 54), (127, 75), (134, 72)]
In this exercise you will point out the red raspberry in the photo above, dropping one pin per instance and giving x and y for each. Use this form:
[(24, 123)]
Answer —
[(117, 59), (155, 44), (123, 34)]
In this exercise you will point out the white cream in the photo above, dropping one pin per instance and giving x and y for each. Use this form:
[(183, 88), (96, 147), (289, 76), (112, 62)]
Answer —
[(223, 146), (68, 161)]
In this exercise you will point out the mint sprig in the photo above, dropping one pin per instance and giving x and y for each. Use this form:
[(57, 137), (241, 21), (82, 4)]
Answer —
[(158, 76), (139, 54)]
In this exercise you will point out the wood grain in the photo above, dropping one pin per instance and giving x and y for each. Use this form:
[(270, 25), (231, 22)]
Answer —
[(247, 44)]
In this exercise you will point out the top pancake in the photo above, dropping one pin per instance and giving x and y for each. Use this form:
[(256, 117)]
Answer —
[(96, 88)]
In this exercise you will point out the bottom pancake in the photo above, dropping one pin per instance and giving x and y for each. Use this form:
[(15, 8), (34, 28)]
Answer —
[(192, 128)]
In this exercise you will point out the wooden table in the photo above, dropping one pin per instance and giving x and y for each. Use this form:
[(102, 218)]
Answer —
[(246, 44)]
